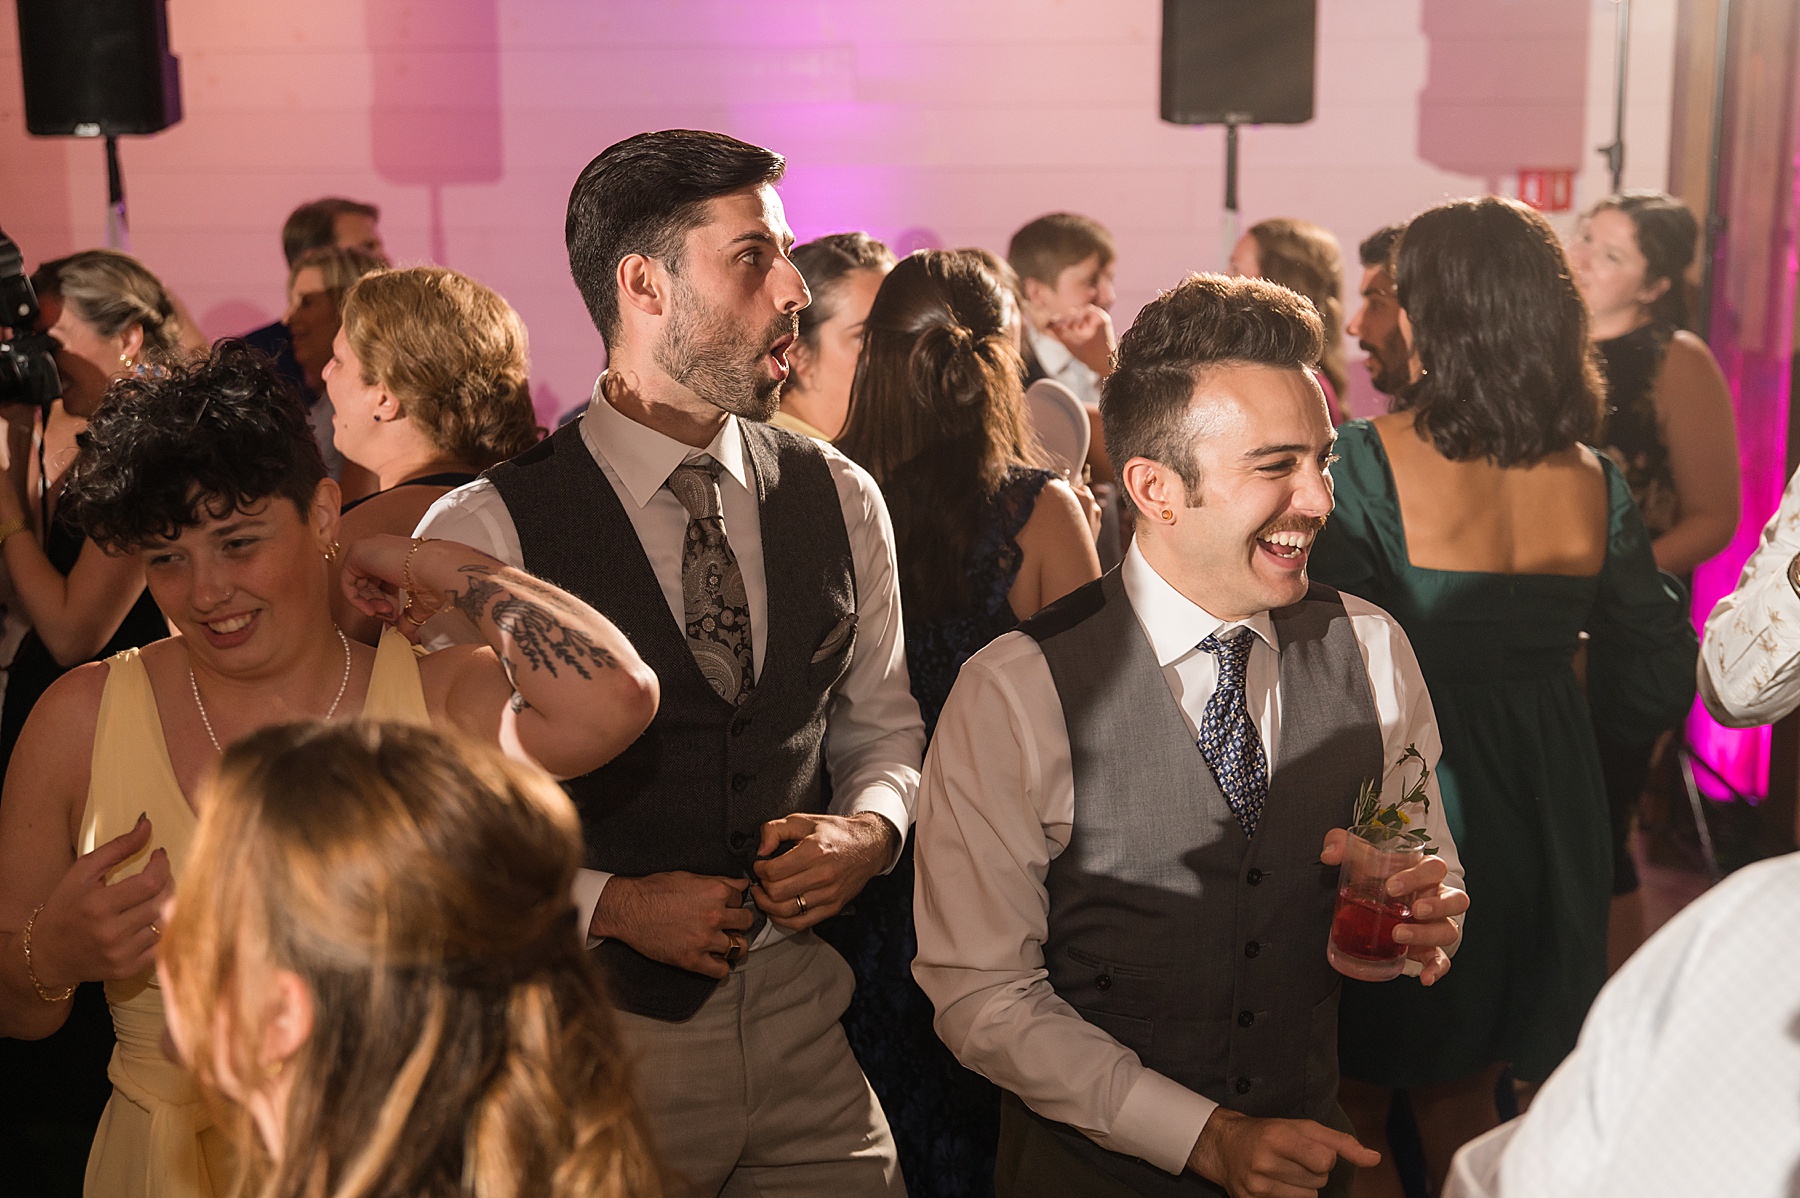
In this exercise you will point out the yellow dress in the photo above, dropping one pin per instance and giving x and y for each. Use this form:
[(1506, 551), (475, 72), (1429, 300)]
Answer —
[(156, 1139)]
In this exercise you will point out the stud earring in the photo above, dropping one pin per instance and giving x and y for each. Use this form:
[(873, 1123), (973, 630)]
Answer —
[(125, 361), (1168, 516)]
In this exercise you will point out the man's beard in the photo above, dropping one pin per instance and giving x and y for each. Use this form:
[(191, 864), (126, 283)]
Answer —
[(703, 353), (1393, 365)]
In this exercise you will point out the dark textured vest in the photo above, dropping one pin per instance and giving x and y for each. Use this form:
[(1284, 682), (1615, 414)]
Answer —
[(1202, 950), (693, 791)]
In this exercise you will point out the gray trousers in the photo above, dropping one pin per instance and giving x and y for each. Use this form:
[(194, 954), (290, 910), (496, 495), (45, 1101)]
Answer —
[(758, 1094)]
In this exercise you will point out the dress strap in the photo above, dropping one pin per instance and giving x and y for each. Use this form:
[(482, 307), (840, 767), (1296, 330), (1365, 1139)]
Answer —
[(395, 689)]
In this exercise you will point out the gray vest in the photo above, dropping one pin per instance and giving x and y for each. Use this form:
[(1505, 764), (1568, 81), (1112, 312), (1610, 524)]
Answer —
[(693, 792), (1202, 950)]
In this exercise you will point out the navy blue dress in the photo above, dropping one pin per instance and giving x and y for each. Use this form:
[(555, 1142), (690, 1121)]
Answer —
[(945, 1118)]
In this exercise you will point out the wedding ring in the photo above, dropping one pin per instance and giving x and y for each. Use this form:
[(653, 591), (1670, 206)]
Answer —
[(800, 901), (156, 931)]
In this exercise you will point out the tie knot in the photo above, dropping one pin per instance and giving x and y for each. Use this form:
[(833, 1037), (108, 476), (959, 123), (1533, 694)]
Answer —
[(1233, 651), (696, 484)]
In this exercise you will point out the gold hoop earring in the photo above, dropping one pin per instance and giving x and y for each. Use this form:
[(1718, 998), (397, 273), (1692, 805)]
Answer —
[(331, 554)]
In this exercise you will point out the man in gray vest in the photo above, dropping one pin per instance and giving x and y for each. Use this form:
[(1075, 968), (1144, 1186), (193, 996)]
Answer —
[(754, 570), (1129, 822)]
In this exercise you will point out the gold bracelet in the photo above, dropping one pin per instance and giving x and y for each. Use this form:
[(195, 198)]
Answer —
[(406, 582), (12, 528), (31, 970)]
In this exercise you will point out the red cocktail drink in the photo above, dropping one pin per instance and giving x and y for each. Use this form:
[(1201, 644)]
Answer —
[(1362, 925)]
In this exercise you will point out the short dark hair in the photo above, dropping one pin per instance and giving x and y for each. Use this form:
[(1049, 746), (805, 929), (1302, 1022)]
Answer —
[(314, 224), (1501, 332), (1051, 244), (172, 448), (824, 263), (1377, 249), (1667, 236), (1206, 321), (642, 196)]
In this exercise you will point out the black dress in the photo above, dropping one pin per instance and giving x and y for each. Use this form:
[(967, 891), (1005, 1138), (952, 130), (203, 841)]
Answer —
[(447, 478), (945, 1118), (1632, 437), (45, 1129)]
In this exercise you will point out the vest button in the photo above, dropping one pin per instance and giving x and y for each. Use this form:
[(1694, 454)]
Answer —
[(740, 725), (1103, 982), (739, 782), (1254, 877), (1252, 948), (1245, 1019), (1242, 1086), (739, 841)]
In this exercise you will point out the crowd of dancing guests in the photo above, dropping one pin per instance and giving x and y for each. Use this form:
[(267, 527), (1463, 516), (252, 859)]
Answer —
[(956, 706)]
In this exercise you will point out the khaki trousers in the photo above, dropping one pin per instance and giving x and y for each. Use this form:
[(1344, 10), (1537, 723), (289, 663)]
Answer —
[(758, 1094)]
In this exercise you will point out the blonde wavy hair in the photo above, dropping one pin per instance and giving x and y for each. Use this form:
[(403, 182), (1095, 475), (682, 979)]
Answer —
[(453, 353), (1306, 258), (462, 1042), (112, 291)]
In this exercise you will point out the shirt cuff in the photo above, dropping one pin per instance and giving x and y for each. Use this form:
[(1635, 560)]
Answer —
[(588, 885), (1160, 1122), (886, 802)]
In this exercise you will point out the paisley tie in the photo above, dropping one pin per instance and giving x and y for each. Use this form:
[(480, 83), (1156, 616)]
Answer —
[(712, 585), (1228, 740)]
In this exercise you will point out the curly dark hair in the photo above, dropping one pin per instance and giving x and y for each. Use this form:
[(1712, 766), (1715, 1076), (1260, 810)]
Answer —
[(172, 448), (1501, 332), (1207, 320)]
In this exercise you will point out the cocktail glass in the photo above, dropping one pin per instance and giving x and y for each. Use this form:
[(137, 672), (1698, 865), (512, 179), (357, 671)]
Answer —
[(1362, 941)]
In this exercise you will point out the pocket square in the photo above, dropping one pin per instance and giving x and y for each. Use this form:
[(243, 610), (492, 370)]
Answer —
[(839, 636)]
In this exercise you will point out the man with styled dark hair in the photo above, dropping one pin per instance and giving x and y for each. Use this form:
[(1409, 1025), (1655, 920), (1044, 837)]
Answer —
[(1132, 809), (1376, 325), (754, 569)]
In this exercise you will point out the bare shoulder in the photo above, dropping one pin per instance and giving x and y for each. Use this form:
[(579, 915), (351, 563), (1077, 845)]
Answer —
[(1689, 368), (52, 763), (397, 511)]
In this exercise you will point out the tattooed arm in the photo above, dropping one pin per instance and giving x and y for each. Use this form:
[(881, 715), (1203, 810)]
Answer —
[(556, 681)]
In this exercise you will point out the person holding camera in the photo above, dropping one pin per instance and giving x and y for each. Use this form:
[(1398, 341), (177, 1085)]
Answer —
[(112, 317)]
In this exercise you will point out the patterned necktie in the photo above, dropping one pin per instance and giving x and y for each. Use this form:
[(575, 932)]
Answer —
[(1228, 740), (712, 586)]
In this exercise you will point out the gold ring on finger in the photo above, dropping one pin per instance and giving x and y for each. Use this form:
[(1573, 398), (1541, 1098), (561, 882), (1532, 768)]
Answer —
[(734, 950), (800, 902), (156, 931)]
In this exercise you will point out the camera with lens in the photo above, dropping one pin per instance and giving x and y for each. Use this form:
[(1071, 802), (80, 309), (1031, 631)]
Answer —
[(27, 357)]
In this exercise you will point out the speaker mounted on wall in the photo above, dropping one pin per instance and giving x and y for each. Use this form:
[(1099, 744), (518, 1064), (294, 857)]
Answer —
[(98, 68), (1239, 62)]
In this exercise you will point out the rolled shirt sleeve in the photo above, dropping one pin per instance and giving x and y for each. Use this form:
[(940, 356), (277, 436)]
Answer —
[(1749, 670)]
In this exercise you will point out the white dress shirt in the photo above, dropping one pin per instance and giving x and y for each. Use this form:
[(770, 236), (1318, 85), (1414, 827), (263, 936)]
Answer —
[(995, 808), (1061, 364), (1687, 1076), (1750, 654), (875, 736)]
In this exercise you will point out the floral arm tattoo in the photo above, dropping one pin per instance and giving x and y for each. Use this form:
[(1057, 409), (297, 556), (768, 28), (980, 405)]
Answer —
[(540, 625)]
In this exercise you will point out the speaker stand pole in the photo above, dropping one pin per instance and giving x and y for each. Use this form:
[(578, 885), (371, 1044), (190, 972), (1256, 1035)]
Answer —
[(1231, 191), (118, 235)]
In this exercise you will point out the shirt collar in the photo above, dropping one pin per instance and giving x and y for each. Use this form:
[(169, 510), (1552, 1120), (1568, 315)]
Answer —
[(644, 458), (1174, 623), (1052, 354)]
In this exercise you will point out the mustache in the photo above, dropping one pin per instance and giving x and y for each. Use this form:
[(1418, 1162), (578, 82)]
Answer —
[(783, 326), (1309, 525)]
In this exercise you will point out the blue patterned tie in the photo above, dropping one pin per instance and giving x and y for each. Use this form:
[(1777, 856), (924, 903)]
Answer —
[(1228, 740)]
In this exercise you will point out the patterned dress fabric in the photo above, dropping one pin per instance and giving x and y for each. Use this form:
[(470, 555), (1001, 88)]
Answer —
[(712, 584), (1228, 740), (946, 1119), (1632, 435)]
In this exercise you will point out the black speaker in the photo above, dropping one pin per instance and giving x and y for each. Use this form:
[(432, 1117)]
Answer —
[(98, 67), (1246, 62)]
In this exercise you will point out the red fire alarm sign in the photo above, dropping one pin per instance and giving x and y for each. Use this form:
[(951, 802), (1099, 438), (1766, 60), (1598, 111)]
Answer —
[(1547, 190)]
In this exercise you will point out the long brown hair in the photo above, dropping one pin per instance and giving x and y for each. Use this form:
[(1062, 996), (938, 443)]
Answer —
[(1305, 257), (462, 1043), (937, 415)]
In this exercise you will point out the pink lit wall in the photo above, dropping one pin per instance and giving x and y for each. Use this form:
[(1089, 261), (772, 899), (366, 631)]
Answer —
[(930, 122)]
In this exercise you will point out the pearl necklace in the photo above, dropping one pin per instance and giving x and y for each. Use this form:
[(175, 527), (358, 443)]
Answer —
[(213, 736)]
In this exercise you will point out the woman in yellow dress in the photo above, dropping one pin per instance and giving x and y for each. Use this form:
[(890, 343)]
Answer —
[(209, 473)]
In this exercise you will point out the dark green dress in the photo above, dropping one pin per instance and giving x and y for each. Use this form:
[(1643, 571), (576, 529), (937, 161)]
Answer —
[(1520, 773)]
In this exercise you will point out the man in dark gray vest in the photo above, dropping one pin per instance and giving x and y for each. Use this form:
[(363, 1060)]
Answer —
[(1132, 809), (754, 571)]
